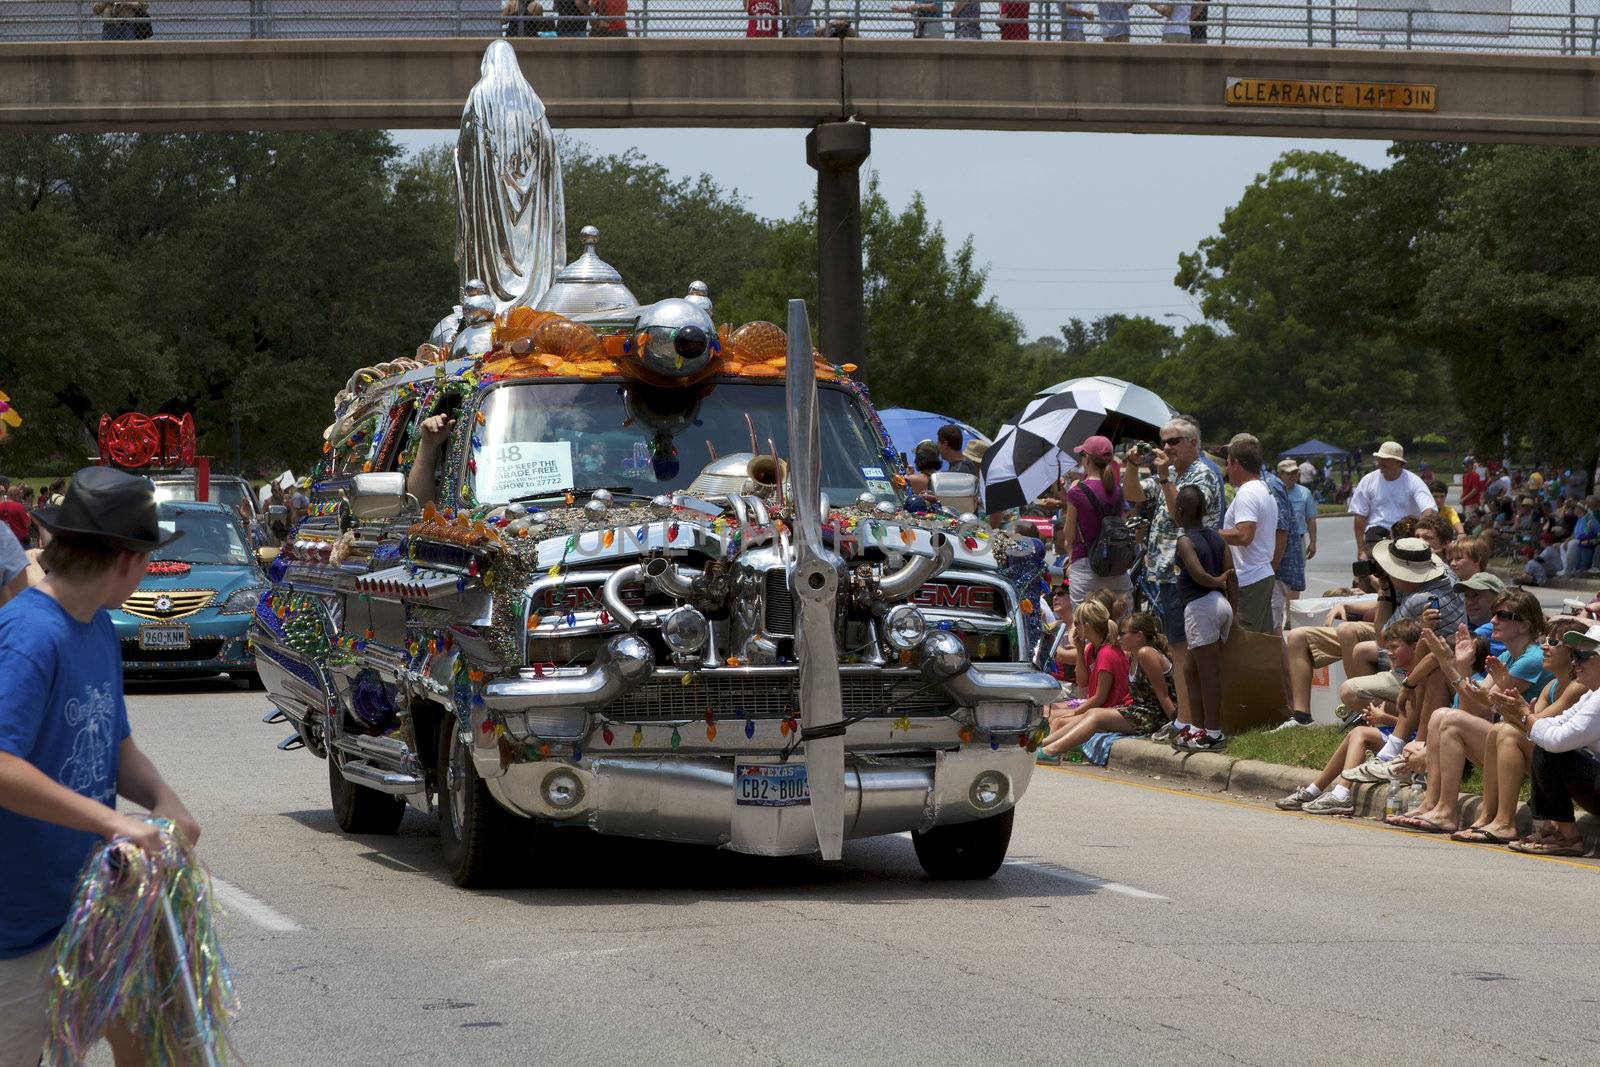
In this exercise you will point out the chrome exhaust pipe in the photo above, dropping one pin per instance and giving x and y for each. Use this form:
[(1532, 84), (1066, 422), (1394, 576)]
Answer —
[(740, 511), (917, 570), (758, 508), (671, 579), (611, 595), (622, 664)]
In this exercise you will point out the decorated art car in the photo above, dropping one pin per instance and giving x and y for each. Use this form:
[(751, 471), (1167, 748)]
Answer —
[(191, 613), (596, 562)]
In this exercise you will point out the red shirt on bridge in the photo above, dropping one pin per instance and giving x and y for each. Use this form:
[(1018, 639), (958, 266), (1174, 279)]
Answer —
[(1013, 21), (763, 18)]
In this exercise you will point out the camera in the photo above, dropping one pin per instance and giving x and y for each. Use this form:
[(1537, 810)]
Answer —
[(1362, 568)]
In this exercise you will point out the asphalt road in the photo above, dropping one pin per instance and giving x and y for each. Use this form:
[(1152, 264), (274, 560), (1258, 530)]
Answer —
[(1135, 924)]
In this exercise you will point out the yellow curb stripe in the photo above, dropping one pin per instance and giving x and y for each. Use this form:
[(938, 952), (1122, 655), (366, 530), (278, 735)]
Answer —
[(1365, 824)]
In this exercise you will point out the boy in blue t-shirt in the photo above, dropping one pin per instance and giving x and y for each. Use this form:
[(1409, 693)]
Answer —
[(65, 750)]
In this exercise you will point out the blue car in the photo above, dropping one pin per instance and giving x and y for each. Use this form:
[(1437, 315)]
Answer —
[(191, 614)]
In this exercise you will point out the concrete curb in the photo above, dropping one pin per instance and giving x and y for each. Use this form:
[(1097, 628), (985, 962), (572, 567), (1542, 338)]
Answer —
[(1221, 773)]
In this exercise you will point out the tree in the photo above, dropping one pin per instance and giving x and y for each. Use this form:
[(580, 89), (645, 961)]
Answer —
[(1307, 346), (1512, 297)]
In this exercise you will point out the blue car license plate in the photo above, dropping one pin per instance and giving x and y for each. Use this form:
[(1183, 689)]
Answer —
[(771, 785)]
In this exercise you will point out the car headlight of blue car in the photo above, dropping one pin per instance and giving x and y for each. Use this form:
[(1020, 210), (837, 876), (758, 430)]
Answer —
[(242, 601)]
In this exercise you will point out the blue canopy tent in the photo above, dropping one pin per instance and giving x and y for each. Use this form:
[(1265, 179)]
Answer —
[(1312, 449), (907, 426)]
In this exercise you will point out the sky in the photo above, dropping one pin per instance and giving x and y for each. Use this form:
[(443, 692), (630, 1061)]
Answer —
[(1069, 224)]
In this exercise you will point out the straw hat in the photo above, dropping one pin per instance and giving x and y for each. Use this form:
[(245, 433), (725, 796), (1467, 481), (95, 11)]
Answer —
[(1390, 450), (1408, 559)]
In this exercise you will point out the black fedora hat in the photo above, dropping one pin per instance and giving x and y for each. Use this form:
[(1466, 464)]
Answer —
[(110, 504)]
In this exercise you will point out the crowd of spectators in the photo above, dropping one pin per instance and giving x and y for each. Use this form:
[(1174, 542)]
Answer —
[(1446, 665)]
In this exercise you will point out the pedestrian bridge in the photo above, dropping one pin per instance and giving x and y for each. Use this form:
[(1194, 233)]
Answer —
[(163, 84)]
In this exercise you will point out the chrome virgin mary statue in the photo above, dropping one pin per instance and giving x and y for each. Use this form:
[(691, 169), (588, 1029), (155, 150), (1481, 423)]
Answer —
[(511, 214)]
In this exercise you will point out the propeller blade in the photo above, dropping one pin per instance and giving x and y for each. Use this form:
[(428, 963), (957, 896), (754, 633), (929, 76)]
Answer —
[(814, 580)]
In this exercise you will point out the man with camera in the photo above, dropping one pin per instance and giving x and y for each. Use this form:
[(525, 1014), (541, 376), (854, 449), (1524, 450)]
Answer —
[(1175, 464)]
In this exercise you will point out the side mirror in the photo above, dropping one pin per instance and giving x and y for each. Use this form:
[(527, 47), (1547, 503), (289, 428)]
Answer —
[(377, 496)]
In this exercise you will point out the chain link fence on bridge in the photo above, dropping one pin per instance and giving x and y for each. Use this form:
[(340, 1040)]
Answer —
[(1534, 26)]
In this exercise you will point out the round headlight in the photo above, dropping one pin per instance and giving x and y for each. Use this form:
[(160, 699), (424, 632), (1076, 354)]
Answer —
[(685, 630), (903, 627), (562, 789), (988, 790)]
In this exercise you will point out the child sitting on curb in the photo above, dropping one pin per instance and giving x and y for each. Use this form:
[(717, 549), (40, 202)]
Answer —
[(1102, 674), (1400, 637)]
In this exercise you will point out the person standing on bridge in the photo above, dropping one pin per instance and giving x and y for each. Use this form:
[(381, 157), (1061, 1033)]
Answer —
[(797, 19), (572, 18), (1174, 22), (964, 20), (1113, 22)]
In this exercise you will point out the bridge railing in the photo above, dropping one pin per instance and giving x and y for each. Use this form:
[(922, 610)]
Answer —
[(1534, 26)]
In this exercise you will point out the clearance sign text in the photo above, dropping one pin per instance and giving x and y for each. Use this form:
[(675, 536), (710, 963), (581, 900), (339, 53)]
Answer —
[(1377, 96)]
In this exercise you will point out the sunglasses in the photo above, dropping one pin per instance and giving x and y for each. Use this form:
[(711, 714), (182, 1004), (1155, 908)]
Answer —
[(1172, 441), (1581, 657), (1509, 616)]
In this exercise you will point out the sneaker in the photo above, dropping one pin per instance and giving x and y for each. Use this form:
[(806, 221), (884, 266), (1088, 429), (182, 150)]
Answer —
[(1297, 800), (1165, 735), (1296, 718), (1200, 741), (1180, 738), (1328, 804), (1375, 770)]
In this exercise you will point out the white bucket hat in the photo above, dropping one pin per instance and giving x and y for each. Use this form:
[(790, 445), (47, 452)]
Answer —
[(1409, 559), (1391, 450)]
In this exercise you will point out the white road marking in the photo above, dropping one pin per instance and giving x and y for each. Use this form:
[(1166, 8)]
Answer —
[(1089, 881), (239, 902), (1067, 874)]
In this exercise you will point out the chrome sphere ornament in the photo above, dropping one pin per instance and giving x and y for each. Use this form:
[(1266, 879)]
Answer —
[(602, 495), (885, 509), (867, 500), (537, 518), (595, 509), (516, 510), (661, 506), (677, 338)]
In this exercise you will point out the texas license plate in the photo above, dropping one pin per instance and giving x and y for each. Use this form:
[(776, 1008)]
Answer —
[(771, 785), (175, 635)]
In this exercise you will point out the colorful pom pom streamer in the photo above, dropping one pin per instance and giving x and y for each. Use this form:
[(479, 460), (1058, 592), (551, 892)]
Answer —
[(141, 941)]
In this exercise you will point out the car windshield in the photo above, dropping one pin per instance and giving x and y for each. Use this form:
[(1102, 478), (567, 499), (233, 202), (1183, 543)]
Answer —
[(229, 493), (545, 437), (209, 536)]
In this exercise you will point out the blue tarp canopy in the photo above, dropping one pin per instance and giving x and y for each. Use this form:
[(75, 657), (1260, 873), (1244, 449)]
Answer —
[(907, 426), (1313, 448)]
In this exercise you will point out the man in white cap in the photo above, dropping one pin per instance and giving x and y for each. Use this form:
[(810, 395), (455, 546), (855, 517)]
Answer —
[(1385, 496)]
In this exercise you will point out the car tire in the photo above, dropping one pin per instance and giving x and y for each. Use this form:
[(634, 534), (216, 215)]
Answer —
[(359, 810), (965, 851), (478, 837)]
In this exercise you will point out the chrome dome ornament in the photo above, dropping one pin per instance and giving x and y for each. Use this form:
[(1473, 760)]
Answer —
[(586, 286), (162, 604)]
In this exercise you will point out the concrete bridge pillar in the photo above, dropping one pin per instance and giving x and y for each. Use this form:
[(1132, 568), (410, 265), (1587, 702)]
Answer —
[(836, 151)]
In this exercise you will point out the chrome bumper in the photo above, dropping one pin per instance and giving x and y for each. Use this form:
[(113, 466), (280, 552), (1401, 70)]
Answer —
[(692, 798)]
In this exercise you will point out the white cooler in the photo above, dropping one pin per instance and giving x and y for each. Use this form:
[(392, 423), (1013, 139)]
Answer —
[(1325, 681)]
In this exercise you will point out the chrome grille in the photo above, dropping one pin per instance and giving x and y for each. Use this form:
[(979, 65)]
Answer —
[(166, 603), (775, 697), (777, 619)]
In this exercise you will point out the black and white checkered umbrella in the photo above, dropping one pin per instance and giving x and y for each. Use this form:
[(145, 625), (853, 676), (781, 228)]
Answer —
[(1030, 454)]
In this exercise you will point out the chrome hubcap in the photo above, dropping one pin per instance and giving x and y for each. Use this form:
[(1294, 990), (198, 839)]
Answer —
[(456, 772)]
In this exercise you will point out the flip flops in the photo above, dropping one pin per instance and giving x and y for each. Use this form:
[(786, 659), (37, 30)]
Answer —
[(1478, 835), (1419, 826), (1553, 848)]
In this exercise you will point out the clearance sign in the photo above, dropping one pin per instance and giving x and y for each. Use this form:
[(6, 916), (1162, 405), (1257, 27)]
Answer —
[(1370, 96)]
